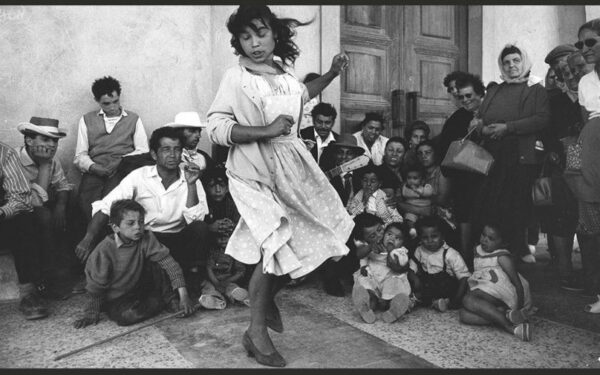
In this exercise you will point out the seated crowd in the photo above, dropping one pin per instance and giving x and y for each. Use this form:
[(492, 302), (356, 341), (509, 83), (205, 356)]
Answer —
[(151, 219)]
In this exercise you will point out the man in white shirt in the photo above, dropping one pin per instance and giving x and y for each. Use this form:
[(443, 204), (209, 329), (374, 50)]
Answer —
[(103, 138), (173, 197), (370, 138), (320, 134)]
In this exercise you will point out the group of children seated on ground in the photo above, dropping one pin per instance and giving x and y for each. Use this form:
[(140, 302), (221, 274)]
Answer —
[(399, 270), (395, 279)]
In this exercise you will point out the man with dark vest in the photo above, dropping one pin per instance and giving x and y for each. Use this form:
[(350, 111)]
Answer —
[(103, 138), (320, 134)]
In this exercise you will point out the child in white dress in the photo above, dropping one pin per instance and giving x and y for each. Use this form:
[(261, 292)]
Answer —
[(376, 284), (498, 293)]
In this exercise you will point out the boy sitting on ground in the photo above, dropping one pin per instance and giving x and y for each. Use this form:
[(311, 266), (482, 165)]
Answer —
[(126, 272), (223, 272)]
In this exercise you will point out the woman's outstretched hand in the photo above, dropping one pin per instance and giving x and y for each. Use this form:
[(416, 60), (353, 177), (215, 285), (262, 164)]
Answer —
[(282, 125), (339, 63)]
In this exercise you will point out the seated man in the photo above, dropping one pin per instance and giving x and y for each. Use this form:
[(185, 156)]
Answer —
[(173, 198), (190, 127), (49, 187), (344, 149), (18, 232), (347, 185), (323, 118), (103, 138)]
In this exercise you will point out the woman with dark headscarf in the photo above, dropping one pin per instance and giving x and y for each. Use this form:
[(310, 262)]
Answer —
[(510, 120)]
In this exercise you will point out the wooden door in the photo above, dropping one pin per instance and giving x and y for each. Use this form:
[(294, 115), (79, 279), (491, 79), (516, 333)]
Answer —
[(435, 44), (408, 48)]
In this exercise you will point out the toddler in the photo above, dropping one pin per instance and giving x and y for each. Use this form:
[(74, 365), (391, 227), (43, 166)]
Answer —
[(371, 198), (498, 293), (417, 196), (383, 280), (125, 273), (222, 274), (441, 271)]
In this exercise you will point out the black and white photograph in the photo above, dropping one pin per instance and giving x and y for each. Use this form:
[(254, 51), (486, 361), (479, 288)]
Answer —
[(318, 186)]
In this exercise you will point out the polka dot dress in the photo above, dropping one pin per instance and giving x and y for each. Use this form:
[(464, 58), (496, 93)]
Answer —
[(300, 222)]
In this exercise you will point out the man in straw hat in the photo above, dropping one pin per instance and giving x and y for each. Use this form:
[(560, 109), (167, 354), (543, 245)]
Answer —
[(18, 232), (49, 186), (103, 138), (344, 149), (189, 126)]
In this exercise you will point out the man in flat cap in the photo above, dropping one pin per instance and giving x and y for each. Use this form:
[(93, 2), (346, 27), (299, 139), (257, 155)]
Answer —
[(50, 188), (556, 58)]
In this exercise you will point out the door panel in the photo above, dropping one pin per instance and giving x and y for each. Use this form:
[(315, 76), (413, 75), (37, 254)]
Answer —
[(366, 83), (409, 48)]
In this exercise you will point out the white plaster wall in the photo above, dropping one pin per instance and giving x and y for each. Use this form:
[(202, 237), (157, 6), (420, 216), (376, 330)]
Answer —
[(591, 12), (167, 58), (534, 28)]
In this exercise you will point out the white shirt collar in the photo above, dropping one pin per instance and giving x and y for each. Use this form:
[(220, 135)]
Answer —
[(101, 113)]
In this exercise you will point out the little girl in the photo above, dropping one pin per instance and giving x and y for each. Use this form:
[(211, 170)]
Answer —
[(371, 198), (498, 294), (417, 196), (376, 285), (441, 271)]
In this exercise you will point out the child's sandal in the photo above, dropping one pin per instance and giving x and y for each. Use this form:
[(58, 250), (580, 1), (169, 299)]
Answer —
[(399, 305), (361, 299)]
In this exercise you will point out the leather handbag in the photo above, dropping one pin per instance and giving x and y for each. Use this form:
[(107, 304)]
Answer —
[(467, 155), (541, 192)]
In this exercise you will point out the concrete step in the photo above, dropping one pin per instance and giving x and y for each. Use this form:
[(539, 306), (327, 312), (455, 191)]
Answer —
[(9, 283)]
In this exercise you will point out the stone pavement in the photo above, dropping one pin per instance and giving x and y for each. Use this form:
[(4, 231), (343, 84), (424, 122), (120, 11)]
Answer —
[(321, 332)]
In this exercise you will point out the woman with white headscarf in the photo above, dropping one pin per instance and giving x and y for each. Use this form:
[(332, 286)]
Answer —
[(510, 120)]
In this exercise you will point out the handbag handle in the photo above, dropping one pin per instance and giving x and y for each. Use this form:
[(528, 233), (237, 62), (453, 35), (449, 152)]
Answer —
[(468, 134)]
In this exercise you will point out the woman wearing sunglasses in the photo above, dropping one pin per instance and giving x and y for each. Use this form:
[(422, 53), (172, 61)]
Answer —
[(469, 94), (588, 230), (511, 118)]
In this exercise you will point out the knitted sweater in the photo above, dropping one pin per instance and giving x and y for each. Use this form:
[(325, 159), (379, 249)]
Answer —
[(112, 271)]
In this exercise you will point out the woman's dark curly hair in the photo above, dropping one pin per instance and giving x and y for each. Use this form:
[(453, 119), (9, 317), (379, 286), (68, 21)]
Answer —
[(471, 80), (453, 77), (283, 30)]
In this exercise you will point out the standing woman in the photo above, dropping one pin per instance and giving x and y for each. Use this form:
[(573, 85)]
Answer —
[(292, 218), (464, 184), (511, 118), (588, 230)]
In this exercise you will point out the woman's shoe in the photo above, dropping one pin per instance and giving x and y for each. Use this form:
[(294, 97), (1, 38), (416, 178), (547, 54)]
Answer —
[(523, 331), (516, 316), (274, 359), (274, 322)]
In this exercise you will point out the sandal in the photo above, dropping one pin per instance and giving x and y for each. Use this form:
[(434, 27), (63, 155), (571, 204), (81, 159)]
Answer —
[(398, 306), (593, 308), (211, 302), (361, 299)]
